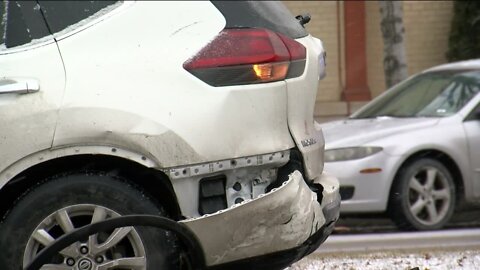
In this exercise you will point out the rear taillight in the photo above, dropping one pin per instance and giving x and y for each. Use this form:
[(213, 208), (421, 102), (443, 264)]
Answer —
[(247, 56)]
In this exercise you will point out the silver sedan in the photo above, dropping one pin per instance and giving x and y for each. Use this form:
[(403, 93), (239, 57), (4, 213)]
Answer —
[(414, 151)]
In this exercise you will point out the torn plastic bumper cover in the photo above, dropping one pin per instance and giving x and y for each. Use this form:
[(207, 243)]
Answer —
[(286, 218)]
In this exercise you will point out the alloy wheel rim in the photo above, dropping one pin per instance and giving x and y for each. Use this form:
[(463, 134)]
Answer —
[(429, 195), (121, 248)]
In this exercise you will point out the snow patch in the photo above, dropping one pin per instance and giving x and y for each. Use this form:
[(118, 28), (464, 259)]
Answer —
[(424, 260)]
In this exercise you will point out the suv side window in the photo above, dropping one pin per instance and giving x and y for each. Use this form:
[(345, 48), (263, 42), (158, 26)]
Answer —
[(21, 23), (63, 14), (3, 22)]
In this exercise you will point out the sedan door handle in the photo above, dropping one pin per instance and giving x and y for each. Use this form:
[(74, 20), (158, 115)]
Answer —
[(19, 86)]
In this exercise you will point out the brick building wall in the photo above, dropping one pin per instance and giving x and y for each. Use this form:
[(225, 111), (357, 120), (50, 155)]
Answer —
[(427, 27), (376, 78)]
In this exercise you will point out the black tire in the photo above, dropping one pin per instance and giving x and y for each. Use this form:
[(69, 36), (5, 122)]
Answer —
[(427, 209), (85, 194)]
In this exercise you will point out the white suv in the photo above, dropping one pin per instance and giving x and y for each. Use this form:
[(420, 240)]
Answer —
[(198, 111)]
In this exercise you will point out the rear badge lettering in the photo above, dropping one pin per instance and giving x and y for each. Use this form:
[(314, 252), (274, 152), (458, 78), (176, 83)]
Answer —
[(308, 142)]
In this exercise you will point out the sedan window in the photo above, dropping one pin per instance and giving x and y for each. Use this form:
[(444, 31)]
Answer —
[(454, 96), (435, 94)]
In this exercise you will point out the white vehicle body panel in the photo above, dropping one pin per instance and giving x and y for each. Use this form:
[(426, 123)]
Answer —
[(302, 93), (29, 120), (156, 127), (472, 131), (415, 135), (116, 86)]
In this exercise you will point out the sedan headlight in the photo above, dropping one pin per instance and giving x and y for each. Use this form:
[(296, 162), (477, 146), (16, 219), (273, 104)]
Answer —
[(350, 153)]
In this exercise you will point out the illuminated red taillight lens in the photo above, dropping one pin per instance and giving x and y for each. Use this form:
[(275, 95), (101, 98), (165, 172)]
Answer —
[(246, 56)]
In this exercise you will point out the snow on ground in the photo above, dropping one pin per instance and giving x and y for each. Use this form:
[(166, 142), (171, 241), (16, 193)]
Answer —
[(404, 260)]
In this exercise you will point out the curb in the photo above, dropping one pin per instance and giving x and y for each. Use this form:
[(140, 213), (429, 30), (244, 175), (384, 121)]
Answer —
[(401, 240)]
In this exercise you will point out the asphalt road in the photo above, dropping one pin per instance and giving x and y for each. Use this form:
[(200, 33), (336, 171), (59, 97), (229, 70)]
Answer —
[(365, 234), (374, 243), (382, 224), (394, 241)]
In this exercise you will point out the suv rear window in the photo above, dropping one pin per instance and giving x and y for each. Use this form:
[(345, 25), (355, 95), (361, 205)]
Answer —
[(270, 15)]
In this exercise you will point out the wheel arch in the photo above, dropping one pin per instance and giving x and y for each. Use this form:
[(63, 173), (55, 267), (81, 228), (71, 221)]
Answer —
[(138, 170), (440, 156)]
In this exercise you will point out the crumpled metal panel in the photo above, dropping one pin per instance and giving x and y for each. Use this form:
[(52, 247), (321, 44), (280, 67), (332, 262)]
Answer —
[(281, 219), (331, 188)]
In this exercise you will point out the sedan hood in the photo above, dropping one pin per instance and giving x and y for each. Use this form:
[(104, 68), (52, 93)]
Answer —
[(356, 132)]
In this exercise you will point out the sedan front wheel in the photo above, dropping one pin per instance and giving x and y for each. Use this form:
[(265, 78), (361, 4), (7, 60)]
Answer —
[(422, 196)]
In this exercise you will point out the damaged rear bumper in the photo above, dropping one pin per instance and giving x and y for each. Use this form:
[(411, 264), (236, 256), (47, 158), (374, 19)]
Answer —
[(278, 228)]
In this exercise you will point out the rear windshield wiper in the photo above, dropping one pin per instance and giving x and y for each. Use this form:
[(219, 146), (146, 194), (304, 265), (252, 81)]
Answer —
[(303, 18)]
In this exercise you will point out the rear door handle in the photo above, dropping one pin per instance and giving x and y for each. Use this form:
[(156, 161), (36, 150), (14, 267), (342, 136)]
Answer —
[(19, 86)]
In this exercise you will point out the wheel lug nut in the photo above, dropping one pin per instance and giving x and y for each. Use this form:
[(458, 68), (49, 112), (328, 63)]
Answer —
[(84, 250), (99, 259), (70, 261)]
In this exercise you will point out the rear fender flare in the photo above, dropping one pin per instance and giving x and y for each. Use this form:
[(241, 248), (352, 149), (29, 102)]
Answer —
[(49, 154)]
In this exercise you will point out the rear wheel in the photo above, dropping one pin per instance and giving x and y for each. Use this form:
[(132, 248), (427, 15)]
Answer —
[(58, 206), (423, 196)]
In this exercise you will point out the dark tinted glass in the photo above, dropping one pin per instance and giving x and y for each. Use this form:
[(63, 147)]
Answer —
[(3, 21), (61, 14), (271, 15), (474, 114), (23, 23)]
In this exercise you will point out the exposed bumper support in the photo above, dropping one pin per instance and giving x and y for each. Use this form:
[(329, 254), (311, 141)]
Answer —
[(280, 220), (284, 258)]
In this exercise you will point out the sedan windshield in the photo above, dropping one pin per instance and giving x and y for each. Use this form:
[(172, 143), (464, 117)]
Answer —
[(434, 94)]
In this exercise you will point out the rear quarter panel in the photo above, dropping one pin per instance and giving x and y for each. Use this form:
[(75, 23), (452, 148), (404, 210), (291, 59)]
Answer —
[(126, 87), (302, 93)]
